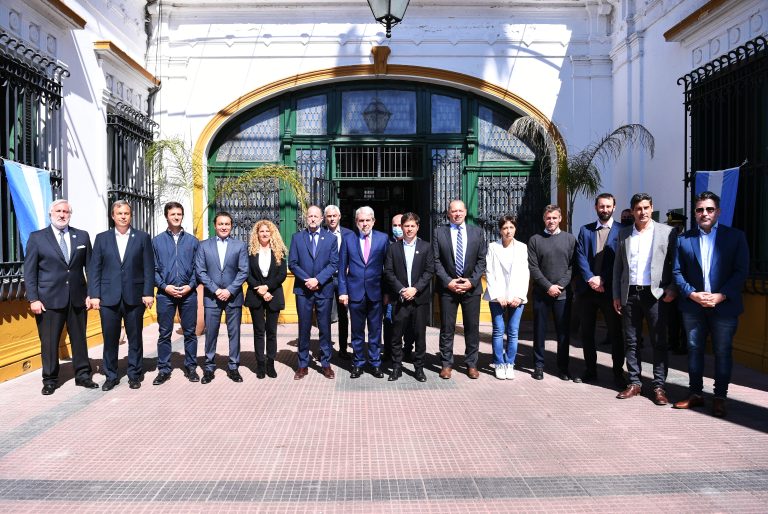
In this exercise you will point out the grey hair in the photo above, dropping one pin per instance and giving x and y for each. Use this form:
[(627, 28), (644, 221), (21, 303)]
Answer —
[(57, 202), (120, 203), (364, 210), (330, 208)]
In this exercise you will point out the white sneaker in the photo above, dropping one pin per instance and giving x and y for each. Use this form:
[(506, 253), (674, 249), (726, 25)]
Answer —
[(501, 371), (510, 371)]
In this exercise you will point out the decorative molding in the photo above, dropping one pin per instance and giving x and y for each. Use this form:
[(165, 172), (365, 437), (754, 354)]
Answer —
[(108, 51), (347, 73), (676, 33), (380, 56)]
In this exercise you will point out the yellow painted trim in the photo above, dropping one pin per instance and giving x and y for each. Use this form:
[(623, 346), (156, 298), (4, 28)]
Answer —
[(109, 46), (68, 13), (692, 19), (315, 77)]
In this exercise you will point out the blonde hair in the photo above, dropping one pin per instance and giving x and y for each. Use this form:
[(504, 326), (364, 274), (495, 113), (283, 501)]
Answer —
[(275, 241)]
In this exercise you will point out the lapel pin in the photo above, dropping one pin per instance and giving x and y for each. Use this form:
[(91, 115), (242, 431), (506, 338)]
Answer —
[(417, 251), (73, 236)]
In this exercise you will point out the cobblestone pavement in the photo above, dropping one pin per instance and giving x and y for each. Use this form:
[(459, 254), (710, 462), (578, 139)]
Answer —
[(369, 445)]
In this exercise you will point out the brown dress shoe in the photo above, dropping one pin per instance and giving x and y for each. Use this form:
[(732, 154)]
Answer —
[(629, 392), (300, 373), (328, 373), (473, 373), (445, 373), (660, 396), (695, 400), (718, 407)]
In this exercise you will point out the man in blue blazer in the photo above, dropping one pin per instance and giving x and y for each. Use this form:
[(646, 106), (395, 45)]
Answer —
[(711, 267), (313, 259), (221, 265), (54, 262), (361, 265), (121, 284), (595, 253)]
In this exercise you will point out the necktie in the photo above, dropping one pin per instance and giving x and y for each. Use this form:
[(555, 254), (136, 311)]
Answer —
[(314, 244), (367, 248), (459, 252), (63, 246)]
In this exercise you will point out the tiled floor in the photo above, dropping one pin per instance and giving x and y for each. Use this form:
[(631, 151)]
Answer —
[(369, 445)]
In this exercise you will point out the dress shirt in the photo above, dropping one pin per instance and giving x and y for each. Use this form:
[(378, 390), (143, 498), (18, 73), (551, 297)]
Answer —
[(454, 232), (608, 224), (707, 247), (640, 248), (362, 242), (337, 233), (410, 252), (265, 259), (221, 246), (557, 231), (67, 241), (122, 242)]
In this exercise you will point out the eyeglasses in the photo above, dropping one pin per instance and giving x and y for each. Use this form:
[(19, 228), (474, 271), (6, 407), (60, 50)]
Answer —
[(700, 210)]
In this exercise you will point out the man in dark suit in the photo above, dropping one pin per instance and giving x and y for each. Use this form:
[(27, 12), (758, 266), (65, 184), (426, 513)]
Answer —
[(643, 285), (710, 270), (314, 259), (361, 264), (175, 252), (459, 250), (339, 310), (595, 253), (221, 265), (54, 262), (121, 284), (408, 270)]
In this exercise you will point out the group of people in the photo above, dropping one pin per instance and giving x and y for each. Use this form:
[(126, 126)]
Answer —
[(366, 279)]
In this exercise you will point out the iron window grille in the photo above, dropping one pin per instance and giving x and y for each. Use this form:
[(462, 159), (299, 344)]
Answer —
[(30, 133), (377, 162), (521, 196), (447, 174), (260, 201)]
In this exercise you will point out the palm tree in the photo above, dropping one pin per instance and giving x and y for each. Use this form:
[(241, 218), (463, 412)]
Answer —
[(579, 174)]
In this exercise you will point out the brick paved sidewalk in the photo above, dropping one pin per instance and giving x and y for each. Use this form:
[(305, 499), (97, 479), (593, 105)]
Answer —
[(368, 445)]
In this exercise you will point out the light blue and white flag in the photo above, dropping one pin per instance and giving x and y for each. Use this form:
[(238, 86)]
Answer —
[(725, 184), (31, 195)]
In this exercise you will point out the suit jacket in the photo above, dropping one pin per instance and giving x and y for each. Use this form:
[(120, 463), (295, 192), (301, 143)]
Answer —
[(322, 267), (422, 270), (357, 278), (111, 280), (274, 282), (213, 276), (344, 232), (48, 277), (727, 272), (663, 250), (586, 246), (474, 258)]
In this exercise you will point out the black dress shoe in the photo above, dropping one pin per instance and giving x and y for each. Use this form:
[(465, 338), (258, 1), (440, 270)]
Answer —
[(48, 389), (356, 372), (376, 372), (88, 383), (538, 374), (563, 375), (395, 374), (344, 355), (234, 375), (271, 372), (589, 377), (192, 375), (109, 385), (134, 383), (207, 377), (261, 370), (420, 376), (161, 378)]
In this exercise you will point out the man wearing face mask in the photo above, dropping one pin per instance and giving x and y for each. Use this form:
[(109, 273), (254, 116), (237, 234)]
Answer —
[(397, 235), (54, 262)]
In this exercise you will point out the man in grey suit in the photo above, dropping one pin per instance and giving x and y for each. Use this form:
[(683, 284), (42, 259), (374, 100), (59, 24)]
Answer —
[(222, 267), (643, 285)]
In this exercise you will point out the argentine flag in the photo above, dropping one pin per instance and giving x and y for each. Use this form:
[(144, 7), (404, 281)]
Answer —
[(31, 195), (725, 184)]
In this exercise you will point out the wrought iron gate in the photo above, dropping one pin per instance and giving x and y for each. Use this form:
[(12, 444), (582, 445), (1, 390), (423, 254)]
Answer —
[(447, 175), (520, 196)]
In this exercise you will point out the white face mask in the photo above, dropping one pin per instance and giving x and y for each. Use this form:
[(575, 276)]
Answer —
[(397, 232)]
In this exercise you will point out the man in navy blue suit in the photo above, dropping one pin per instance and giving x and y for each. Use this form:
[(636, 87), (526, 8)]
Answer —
[(221, 265), (313, 259), (595, 253), (711, 267), (121, 284), (360, 270), (54, 262)]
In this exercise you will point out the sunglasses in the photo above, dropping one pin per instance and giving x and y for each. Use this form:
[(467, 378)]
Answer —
[(700, 210)]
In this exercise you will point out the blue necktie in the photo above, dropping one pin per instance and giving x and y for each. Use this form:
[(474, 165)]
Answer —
[(63, 245), (459, 252), (314, 244)]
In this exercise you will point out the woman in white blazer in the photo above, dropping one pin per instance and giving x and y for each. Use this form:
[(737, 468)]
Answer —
[(507, 278)]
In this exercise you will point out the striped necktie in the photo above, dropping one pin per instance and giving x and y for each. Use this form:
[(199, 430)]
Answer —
[(459, 252)]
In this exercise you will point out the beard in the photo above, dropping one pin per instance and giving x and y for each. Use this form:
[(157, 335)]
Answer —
[(59, 226), (604, 216)]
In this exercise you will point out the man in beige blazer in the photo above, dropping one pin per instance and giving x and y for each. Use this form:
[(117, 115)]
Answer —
[(643, 286)]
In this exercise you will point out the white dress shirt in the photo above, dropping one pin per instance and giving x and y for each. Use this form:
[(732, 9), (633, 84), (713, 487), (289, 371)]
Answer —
[(221, 246), (707, 248), (67, 241), (454, 232), (265, 260), (640, 249), (122, 242)]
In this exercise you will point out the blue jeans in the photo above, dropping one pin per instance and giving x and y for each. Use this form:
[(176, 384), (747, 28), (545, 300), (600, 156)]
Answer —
[(505, 320), (721, 329)]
